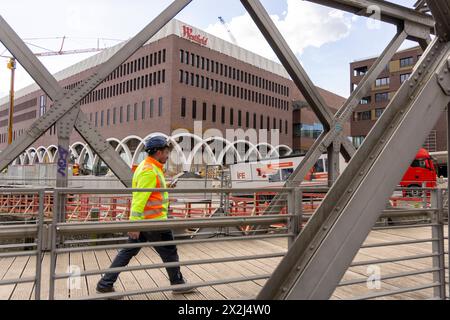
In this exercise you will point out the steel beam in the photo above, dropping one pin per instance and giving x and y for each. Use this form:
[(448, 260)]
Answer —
[(322, 144), (289, 61), (440, 10), (389, 12), (64, 102), (322, 253)]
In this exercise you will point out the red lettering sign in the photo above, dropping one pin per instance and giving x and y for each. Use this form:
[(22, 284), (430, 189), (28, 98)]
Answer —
[(188, 34)]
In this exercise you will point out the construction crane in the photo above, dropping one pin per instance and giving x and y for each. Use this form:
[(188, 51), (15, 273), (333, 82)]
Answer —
[(233, 39), (11, 65)]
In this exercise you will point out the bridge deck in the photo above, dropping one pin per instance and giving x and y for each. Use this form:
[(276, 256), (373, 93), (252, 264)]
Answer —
[(11, 268)]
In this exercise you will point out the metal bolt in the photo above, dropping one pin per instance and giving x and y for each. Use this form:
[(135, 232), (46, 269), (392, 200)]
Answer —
[(284, 289), (299, 268), (338, 209), (311, 248), (325, 228), (350, 190)]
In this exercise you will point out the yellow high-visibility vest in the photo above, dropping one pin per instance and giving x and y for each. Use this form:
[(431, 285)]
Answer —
[(149, 205)]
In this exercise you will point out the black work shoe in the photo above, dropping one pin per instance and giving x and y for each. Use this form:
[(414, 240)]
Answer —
[(102, 290), (188, 289)]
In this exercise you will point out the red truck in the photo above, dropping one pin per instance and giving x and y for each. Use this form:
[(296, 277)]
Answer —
[(422, 172)]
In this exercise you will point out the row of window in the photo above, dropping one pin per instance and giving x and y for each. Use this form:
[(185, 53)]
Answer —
[(153, 59), (367, 115), (405, 62), (221, 87), (230, 72), (4, 136), (240, 120), (379, 97), (142, 82), (129, 113), (137, 65), (308, 131)]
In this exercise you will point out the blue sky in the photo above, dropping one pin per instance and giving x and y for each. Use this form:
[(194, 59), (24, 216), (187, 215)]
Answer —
[(324, 40)]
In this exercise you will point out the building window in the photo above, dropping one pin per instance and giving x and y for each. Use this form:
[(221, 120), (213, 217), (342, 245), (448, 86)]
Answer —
[(381, 82), (143, 110), (181, 76), (107, 117), (42, 105), (365, 100), (114, 115), (404, 77), (121, 115), (101, 118), (358, 141), (183, 107), (361, 71), (382, 97), (135, 111), (231, 116), (152, 108), (223, 115), (160, 107), (239, 118), (194, 109), (128, 113), (378, 112), (214, 113), (247, 118), (366, 115), (204, 111), (96, 119), (406, 62)]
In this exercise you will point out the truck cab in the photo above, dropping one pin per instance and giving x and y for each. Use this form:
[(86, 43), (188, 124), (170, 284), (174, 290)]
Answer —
[(422, 172)]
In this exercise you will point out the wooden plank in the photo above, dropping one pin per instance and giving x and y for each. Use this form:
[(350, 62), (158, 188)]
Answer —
[(80, 286), (91, 264), (247, 289), (14, 272), (202, 273), (208, 272), (23, 291)]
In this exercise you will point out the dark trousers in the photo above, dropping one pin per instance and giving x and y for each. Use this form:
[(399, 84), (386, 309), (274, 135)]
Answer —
[(167, 254)]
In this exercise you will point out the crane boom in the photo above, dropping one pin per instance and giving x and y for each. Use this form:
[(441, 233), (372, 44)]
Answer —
[(233, 39)]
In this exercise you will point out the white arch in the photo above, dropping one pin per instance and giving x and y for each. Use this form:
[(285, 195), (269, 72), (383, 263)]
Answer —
[(52, 154), (86, 150)]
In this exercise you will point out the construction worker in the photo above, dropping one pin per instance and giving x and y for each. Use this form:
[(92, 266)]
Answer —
[(149, 206)]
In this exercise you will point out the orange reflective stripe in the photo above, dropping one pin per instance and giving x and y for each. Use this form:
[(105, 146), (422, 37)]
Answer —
[(153, 216)]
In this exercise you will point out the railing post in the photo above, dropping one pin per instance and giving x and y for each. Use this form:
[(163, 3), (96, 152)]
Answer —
[(53, 230), (40, 236), (438, 245), (294, 208)]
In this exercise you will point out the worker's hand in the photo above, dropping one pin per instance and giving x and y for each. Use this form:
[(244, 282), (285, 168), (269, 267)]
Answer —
[(134, 235)]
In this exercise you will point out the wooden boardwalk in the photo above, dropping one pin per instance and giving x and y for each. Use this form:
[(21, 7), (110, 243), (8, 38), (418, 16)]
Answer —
[(21, 267)]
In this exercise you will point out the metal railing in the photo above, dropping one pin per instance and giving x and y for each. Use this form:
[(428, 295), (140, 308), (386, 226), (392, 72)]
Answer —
[(13, 232), (222, 220), (228, 215)]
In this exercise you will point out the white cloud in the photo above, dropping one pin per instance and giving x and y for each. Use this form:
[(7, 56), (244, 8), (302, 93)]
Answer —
[(304, 25)]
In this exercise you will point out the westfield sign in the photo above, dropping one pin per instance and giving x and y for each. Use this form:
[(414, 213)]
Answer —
[(188, 34)]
